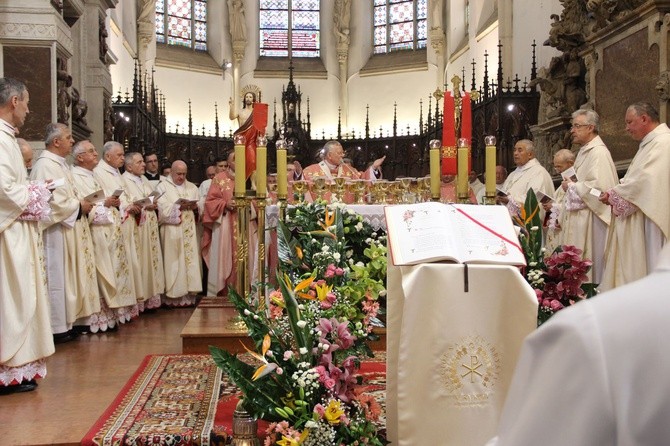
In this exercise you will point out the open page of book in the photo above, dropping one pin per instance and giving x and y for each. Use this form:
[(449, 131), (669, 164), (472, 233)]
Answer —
[(428, 232), (486, 235), (419, 233)]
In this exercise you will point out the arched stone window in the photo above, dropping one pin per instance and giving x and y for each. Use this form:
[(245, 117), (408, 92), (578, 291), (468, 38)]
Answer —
[(182, 23), (399, 25), (290, 24)]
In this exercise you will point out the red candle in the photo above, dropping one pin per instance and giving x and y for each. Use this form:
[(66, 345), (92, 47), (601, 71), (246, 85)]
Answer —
[(466, 126), (449, 136)]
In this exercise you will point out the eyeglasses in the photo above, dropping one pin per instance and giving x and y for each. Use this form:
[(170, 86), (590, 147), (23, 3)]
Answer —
[(577, 126)]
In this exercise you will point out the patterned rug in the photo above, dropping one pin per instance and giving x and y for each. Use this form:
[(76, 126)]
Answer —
[(183, 400), (170, 400)]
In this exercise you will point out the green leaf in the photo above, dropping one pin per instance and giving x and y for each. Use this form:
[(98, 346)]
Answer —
[(286, 245)]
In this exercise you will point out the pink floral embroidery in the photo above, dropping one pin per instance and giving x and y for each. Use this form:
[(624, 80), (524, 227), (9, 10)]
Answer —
[(573, 202), (621, 207), (38, 208)]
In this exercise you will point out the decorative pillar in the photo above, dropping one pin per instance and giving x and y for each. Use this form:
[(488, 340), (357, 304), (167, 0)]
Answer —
[(341, 19), (146, 33), (437, 39)]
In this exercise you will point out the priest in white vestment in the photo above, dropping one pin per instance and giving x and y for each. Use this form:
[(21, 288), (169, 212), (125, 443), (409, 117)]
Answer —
[(593, 375), (85, 159), (529, 173), (143, 223), (587, 219), (25, 329), (555, 209), (151, 171), (476, 186), (122, 295), (71, 276), (181, 247), (640, 202)]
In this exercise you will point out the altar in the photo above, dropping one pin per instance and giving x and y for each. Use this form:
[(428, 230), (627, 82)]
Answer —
[(371, 213), (454, 336)]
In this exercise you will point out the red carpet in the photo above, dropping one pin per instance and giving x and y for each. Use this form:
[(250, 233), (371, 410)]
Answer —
[(182, 400)]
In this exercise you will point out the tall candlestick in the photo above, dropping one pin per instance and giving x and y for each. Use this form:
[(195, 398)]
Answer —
[(449, 136), (466, 125), (490, 177), (462, 183), (435, 169), (282, 183), (261, 166), (240, 179)]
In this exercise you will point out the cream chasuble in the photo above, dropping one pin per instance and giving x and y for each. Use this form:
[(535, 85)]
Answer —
[(119, 293), (69, 248), (150, 254), (635, 240), (585, 226), (181, 248), (530, 175), (25, 329)]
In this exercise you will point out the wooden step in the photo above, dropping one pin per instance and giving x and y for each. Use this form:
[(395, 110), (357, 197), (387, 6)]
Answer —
[(215, 322)]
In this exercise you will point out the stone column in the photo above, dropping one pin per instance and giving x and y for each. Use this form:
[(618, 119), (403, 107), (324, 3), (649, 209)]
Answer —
[(146, 33), (438, 42), (341, 31)]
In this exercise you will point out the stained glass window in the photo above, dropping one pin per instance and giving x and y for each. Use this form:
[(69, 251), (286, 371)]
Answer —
[(182, 23), (288, 24), (399, 25)]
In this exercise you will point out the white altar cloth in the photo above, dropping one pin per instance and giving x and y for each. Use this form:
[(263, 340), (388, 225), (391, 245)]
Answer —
[(451, 354)]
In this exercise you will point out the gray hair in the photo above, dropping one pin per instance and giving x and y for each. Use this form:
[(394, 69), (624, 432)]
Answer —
[(79, 148), (530, 147), (330, 145), (565, 155), (109, 145), (591, 116), (128, 158), (54, 130), (9, 88), (645, 108)]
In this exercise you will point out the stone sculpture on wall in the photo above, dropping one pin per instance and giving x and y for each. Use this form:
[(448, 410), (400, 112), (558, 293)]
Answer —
[(102, 40), (605, 12), (64, 82)]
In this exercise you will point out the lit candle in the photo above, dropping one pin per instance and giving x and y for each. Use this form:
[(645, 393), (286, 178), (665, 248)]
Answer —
[(490, 177), (282, 184), (462, 183), (435, 169), (449, 136), (240, 180), (261, 166)]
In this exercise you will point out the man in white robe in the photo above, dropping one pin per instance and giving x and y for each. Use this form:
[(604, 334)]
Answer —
[(85, 159), (143, 224), (476, 186), (640, 202), (529, 173), (151, 170), (555, 209), (124, 300), (593, 374), (181, 247), (25, 329), (71, 275), (586, 220)]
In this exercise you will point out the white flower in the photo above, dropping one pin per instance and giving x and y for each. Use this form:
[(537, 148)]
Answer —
[(301, 324), (349, 253), (247, 312), (325, 248), (368, 240), (279, 371), (532, 264), (288, 354), (256, 317), (269, 354), (382, 293), (301, 307), (311, 424), (534, 228), (359, 226), (303, 351), (337, 256), (360, 264)]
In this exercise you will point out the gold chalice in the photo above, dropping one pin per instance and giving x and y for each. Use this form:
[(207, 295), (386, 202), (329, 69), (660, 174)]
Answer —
[(299, 190), (320, 187), (381, 187), (425, 188), (340, 184), (359, 191), (405, 184)]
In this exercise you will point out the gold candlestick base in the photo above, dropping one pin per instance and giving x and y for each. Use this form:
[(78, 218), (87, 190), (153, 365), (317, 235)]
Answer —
[(489, 200), (242, 244), (463, 198)]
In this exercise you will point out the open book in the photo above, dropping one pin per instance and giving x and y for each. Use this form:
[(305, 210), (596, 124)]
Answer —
[(570, 174), (428, 232), (543, 198)]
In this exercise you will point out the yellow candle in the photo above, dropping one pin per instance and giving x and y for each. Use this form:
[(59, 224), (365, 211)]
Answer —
[(435, 174), (462, 184), (240, 169), (490, 178), (282, 187), (261, 170)]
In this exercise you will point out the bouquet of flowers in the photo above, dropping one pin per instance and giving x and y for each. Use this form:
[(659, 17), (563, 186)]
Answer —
[(310, 337), (559, 280)]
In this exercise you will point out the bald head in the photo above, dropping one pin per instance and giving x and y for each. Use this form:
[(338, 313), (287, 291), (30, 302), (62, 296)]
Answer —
[(563, 160), (178, 172), (26, 152)]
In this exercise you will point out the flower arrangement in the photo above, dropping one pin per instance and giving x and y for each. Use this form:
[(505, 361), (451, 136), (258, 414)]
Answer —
[(310, 336), (559, 280)]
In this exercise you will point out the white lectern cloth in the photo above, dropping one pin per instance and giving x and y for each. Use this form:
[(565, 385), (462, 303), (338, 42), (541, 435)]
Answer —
[(451, 354)]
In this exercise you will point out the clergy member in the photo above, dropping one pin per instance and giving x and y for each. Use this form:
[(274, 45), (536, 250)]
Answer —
[(25, 331), (144, 227), (477, 186), (529, 173), (586, 219), (108, 176), (85, 159), (555, 209), (332, 166), (640, 202), (181, 247), (71, 276), (218, 241), (151, 170)]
